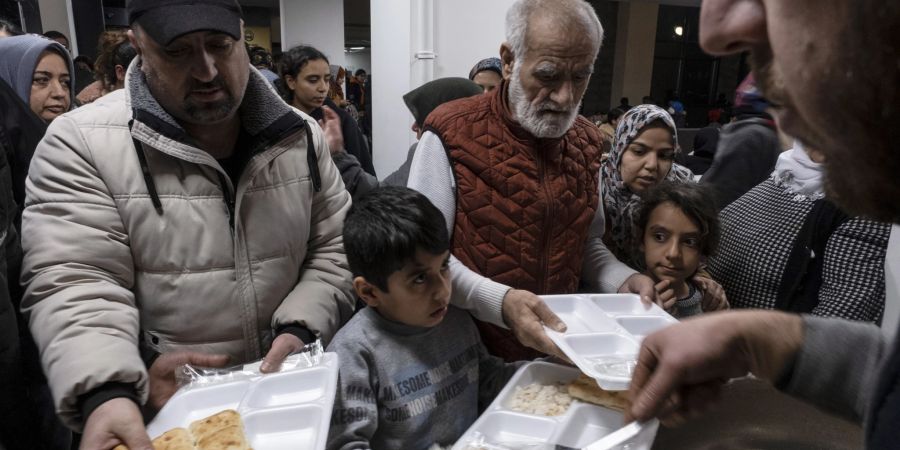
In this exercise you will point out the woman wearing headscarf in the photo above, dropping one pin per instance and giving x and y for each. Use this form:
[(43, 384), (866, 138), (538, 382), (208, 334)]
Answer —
[(40, 71), (421, 101), (748, 147), (336, 86), (487, 73), (784, 246), (705, 142), (642, 156), (34, 89)]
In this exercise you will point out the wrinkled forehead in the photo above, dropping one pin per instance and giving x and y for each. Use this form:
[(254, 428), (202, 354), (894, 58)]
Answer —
[(562, 35)]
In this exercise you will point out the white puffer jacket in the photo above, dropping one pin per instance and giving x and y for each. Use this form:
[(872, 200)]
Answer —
[(214, 268)]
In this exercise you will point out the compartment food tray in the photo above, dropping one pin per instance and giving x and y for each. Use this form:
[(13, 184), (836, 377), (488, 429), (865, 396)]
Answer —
[(604, 332), (280, 411), (582, 425)]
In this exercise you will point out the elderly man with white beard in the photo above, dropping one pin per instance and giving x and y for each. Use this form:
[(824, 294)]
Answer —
[(517, 175)]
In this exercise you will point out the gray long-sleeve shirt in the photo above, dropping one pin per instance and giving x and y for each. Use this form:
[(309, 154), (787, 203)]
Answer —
[(408, 387)]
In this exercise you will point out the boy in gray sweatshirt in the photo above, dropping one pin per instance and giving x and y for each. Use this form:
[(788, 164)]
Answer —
[(413, 371)]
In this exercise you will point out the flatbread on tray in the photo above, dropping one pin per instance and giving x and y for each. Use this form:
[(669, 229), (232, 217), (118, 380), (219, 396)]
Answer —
[(585, 388), (222, 431)]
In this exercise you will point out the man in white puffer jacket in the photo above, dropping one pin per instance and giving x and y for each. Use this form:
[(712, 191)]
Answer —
[(191, 217)]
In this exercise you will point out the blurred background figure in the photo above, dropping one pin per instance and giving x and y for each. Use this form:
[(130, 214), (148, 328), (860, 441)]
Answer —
[(262, 60), (58, 37), (705, 143), (115, 55), (487, 73), (336, 86), (608, 130), (356, 91), (8, 29), (748, 147)]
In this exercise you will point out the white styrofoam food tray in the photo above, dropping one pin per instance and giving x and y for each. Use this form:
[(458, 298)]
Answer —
[(604, 332), (280, 411), (582, 425)]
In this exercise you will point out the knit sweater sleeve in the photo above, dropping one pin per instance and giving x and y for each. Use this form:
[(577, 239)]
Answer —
[(601, 271), (853, 277), (837, 365), (354, 419), (432, 175)]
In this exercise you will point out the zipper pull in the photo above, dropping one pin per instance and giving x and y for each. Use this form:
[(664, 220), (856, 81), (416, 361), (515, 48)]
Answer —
[(229, 200)]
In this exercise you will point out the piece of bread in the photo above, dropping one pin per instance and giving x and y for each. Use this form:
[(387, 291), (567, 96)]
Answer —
[(222, 431), (585, 388), (174, 439), (228, 438)]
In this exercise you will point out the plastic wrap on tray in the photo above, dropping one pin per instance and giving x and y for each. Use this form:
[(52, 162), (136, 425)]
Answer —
[(478, 441), (189, 377)]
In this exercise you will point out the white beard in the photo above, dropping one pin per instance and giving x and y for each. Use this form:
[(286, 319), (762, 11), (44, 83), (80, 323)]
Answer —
[(538, 119)]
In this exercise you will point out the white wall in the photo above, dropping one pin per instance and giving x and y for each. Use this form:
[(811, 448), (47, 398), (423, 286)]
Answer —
[(319, 23), (57, 15), (461, 32), (465, 32), (391, 63), (359, 60)]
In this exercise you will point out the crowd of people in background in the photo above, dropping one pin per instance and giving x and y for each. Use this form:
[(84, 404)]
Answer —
[(109, 164)]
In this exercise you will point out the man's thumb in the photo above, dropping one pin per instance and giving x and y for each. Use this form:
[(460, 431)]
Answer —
[(136, 438)]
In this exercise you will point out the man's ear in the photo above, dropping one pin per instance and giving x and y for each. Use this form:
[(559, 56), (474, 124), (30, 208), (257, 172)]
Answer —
[(507, 58), (120, 72), (368, 292)]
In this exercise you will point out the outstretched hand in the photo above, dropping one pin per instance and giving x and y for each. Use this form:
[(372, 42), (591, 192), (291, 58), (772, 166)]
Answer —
[(526, 314), (681, 368), (334, 135), (115, 422), (283, 346)]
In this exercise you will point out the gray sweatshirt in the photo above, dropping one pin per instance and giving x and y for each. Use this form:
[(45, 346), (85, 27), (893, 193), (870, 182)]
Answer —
[(409, 387)]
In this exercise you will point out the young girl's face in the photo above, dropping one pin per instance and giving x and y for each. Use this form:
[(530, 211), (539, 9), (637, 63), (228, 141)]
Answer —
[(671, 244), (310, 86)]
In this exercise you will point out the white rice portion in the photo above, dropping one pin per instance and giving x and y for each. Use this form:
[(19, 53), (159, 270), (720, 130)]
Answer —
[(541, 399)]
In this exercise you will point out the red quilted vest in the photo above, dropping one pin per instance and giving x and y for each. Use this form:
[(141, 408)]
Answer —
[(524, 205)]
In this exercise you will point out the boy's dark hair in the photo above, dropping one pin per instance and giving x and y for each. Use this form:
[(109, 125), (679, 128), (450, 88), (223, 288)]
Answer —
[(694, 201), (384, 229), (359, 72)]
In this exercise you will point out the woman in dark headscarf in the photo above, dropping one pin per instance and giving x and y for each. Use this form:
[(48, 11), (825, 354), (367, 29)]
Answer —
[(705, 142), (421, 102), (40, 72)]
